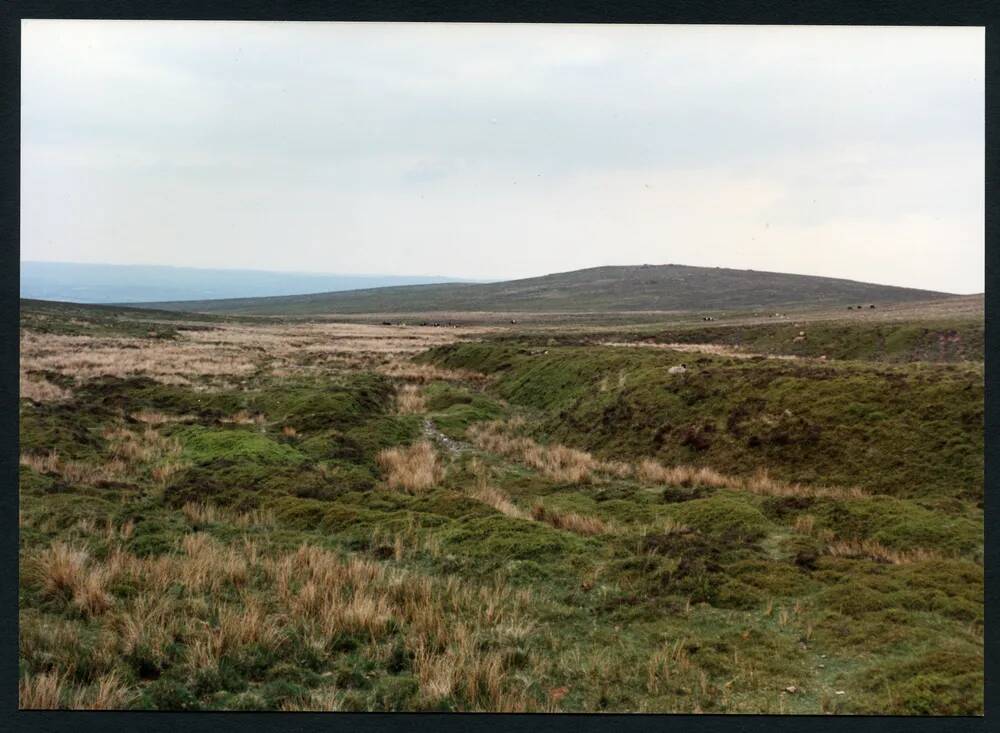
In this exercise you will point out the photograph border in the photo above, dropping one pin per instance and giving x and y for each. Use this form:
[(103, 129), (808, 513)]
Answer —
[(783, 12)]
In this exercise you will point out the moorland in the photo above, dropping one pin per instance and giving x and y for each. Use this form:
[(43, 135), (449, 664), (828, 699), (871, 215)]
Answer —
[(769, 512)]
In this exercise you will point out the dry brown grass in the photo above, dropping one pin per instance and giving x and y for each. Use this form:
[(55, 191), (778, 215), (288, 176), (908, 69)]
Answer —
[(413, 468), (234, 597), (499, 501), (140, 447), (231, 353), (410, 400), (245, 418), (424, 373), (154, 417), (804, 523), (108, 693), (211, 514), (66, 574), (41, 692), (762, 483), (570, 465), (875, 550), (131, 453), (557, 462), (39, 389), (561, 463), (570, 521), (170, 362), (75, 472), (653, 472)]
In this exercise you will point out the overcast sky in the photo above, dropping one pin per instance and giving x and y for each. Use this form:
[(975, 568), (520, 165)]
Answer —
[(499, 151)]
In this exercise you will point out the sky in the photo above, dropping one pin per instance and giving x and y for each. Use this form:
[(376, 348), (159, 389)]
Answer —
[(492, 151)]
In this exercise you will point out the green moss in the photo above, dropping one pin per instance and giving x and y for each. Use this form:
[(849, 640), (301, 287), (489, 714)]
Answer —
[(136, 393), (235, 445), (246, 484), (70, 431), (500, 538), (900, 524), (312, 406), (156, 535), (722, 516), (938, 682)]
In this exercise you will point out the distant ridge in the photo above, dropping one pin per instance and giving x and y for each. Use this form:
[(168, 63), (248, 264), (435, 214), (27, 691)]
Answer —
[(75, 282), (618, 288)]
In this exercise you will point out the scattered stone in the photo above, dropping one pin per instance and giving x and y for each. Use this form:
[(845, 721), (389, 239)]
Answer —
[(680, 369), (839, 692), (452, 446), (791, 689)]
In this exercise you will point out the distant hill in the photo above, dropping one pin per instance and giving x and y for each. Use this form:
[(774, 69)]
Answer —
[(632, 288), (75, 282)]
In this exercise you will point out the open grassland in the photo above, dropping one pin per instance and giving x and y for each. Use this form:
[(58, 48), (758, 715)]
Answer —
[(228, 514)]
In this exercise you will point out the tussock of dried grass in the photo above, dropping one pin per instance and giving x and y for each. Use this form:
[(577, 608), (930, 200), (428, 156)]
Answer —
[(75, 472), (409, 400), (109, 693), (570, 521), (41, 692), (804, 523), (561, 463), (655, 473), (412, 468), (557, 462), (212, 514), (66, 574), (131, 454), (153, 417), (875, 550), (245, 418), (140, 447), (762, 483), (499, 501)]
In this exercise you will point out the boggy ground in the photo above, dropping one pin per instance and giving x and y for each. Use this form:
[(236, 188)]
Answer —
[(226, 514)]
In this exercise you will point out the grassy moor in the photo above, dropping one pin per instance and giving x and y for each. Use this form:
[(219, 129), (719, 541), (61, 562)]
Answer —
[(776, 512)]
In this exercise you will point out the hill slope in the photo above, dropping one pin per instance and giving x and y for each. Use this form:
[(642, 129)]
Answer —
[(632, 288)]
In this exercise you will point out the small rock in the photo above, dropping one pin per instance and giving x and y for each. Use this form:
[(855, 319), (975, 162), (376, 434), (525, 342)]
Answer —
[(839, 692), (791, 689)]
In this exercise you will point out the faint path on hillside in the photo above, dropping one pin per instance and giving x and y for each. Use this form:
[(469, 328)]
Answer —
[(452, 446), (715, 349)]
